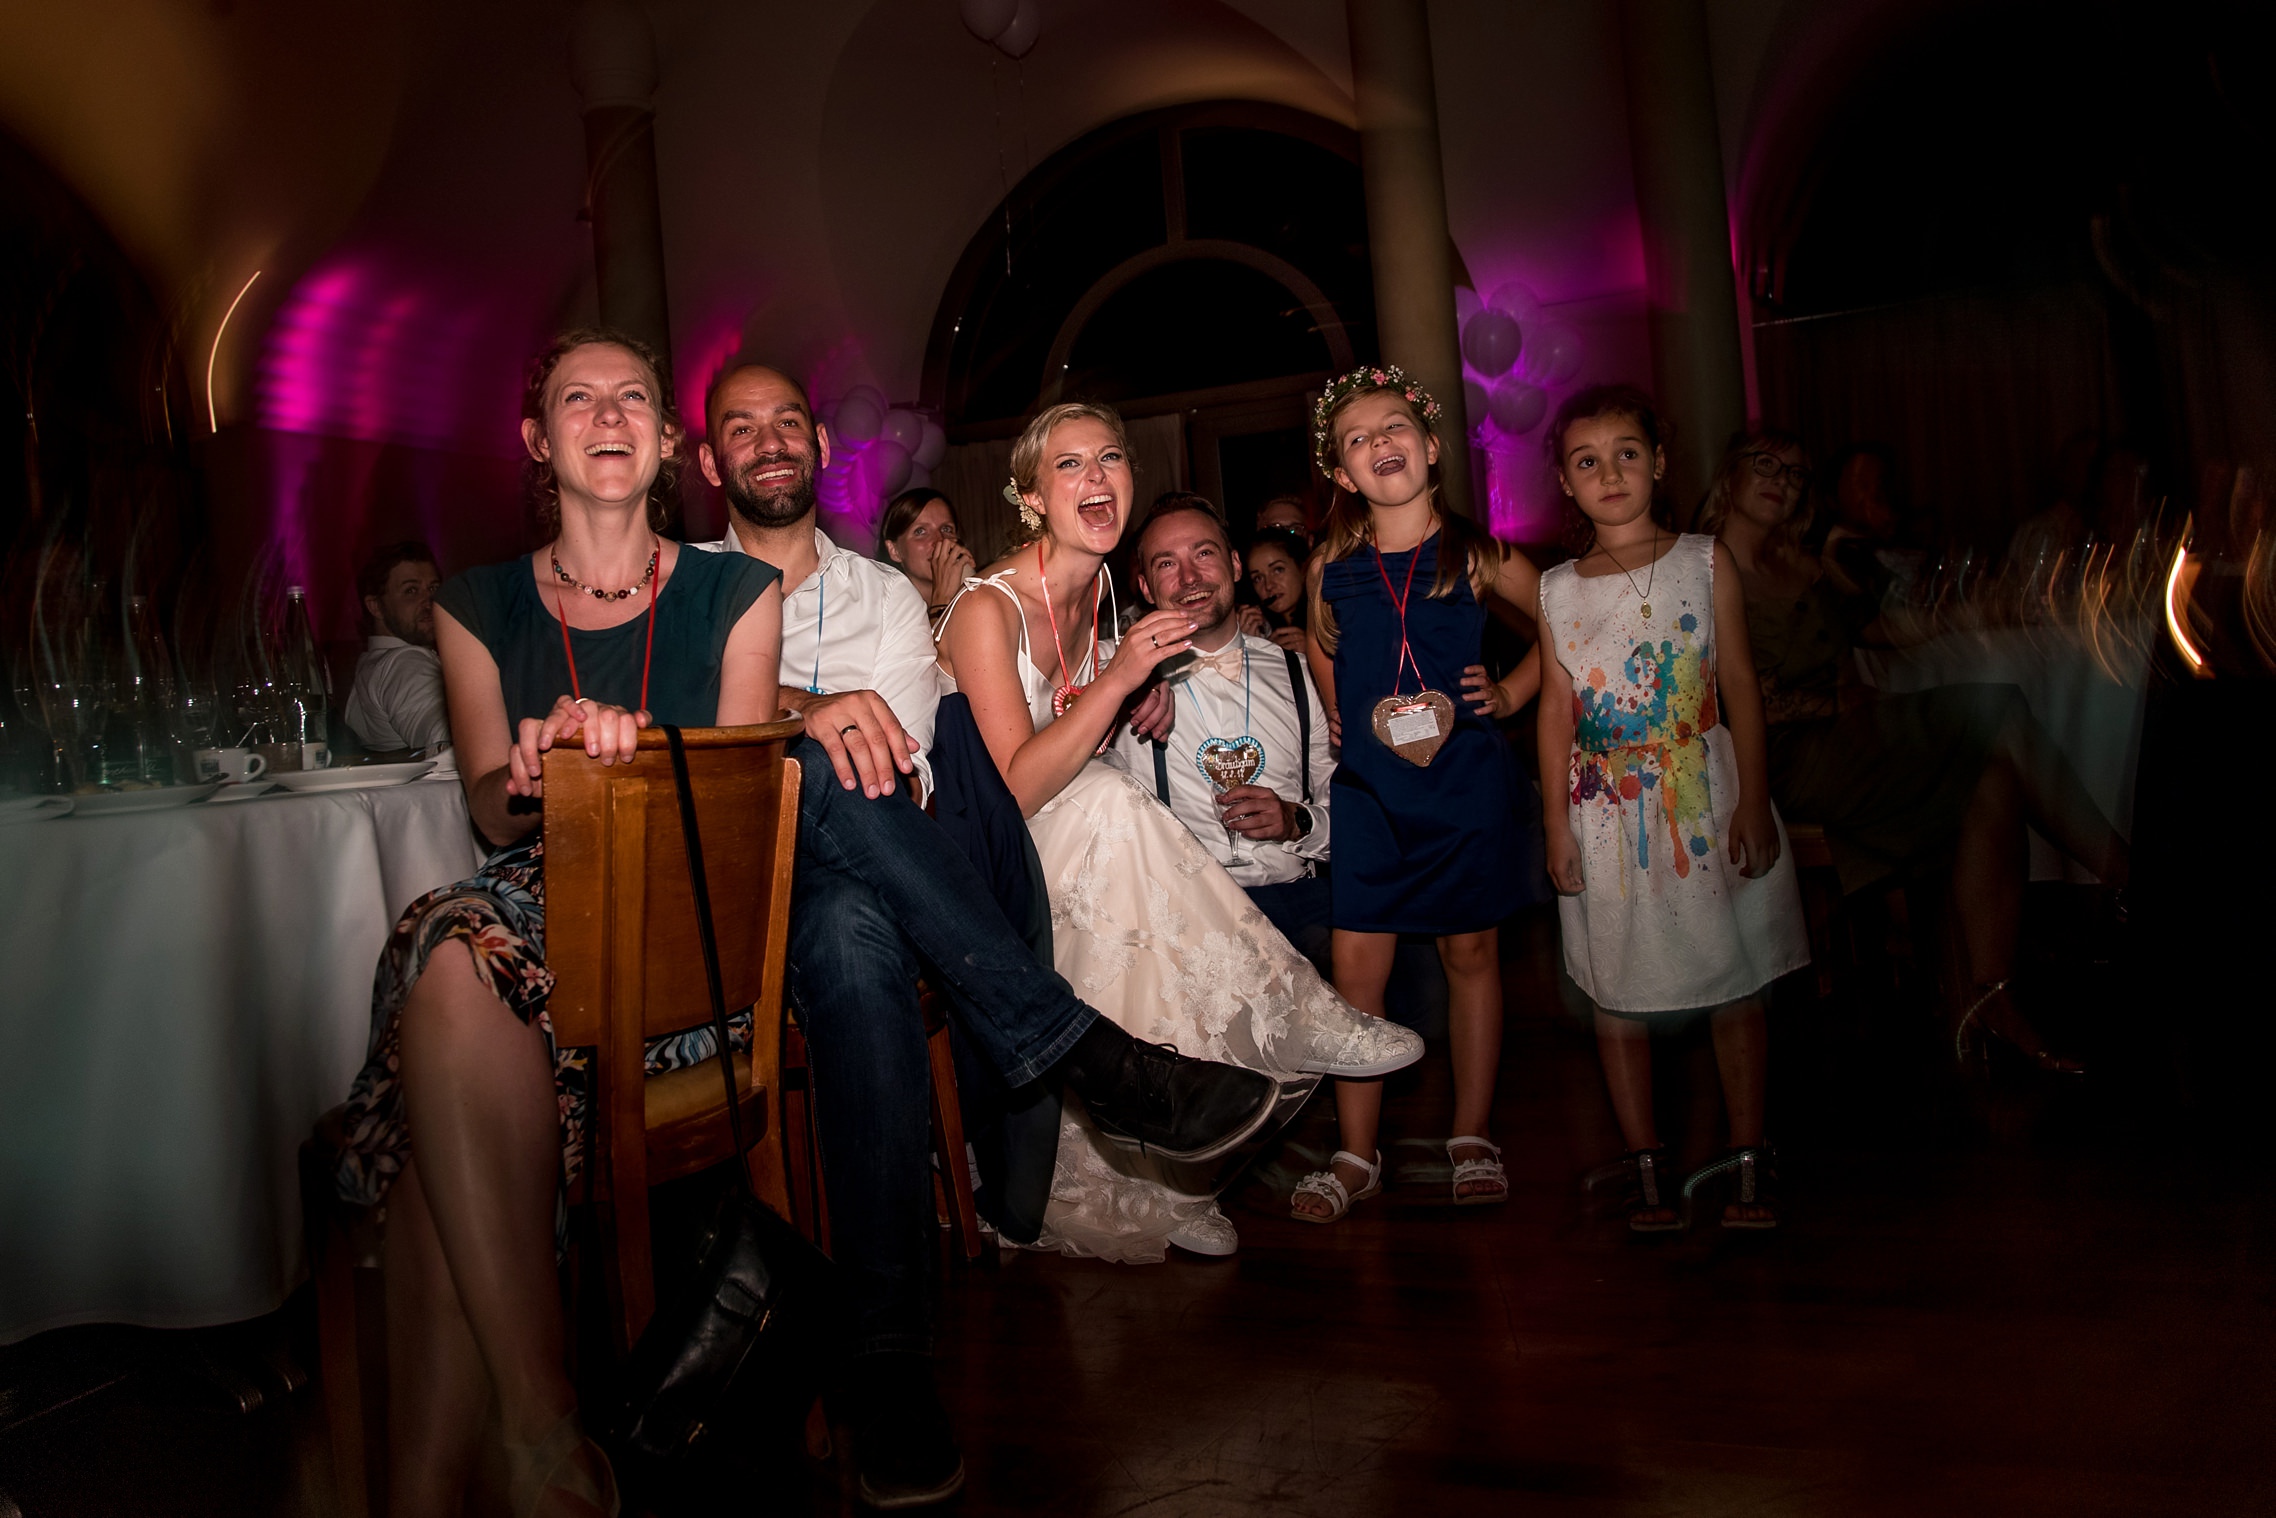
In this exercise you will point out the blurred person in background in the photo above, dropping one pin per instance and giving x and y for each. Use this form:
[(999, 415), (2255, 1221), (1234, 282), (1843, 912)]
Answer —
[(1286, 512), (1275, 563), (397, 700), (919, 536)]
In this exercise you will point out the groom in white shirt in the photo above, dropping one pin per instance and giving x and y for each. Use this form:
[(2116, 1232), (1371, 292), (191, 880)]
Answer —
[(1243, 687)]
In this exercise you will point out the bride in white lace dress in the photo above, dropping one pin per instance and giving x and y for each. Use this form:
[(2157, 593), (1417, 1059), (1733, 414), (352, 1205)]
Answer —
[(1145, 925)]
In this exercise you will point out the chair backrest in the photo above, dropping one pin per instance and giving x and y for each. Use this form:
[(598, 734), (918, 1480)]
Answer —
[(620, 925)]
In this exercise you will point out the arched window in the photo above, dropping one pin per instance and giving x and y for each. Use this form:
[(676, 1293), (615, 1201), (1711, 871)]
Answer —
[(1201, 268)]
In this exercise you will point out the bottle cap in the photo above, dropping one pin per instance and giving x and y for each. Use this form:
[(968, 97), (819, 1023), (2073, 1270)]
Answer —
[(296, 590)]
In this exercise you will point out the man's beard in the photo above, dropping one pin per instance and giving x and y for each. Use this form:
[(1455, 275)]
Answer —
[(784, 506), (408, 629)]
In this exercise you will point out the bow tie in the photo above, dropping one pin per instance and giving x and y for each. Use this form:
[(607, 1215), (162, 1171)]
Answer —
[(1226, 661)]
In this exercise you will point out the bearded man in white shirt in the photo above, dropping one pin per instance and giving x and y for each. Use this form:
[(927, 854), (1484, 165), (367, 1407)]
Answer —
[(396, 700), (1245, 686)]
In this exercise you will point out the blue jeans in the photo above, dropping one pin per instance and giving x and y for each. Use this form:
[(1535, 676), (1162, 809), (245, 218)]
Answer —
[(880, 892)]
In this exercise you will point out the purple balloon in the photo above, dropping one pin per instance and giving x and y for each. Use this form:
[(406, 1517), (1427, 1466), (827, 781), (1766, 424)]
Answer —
[(1517, 407), (1026, 24), (986, 19), (1490, 342), (1554, 356), (906, 428), (1517, 300), (1466, 304), (859, 417), (888, 465), (1473, 403), (933, 448)]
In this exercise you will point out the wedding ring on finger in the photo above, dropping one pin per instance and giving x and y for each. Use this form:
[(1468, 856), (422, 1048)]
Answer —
[(851, 727)]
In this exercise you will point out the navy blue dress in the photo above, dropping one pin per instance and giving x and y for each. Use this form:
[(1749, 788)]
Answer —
[(1433, 849)]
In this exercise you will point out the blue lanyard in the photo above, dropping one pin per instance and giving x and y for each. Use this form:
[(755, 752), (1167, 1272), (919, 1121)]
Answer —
[(1196, 700), (821, 607)]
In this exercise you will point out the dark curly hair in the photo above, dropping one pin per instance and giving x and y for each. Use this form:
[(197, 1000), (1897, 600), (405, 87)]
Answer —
[(539, 488), (1586, 406)]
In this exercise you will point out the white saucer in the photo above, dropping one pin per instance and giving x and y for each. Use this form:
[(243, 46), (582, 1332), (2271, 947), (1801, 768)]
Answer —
[(352, 777), (243, 790), (156, 799)]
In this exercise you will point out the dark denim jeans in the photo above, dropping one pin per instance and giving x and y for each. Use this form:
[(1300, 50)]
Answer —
[(881, 891)]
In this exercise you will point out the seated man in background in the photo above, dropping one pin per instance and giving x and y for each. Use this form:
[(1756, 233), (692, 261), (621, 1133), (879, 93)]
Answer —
[(1244, 686), (1285, 512), (397, 700)]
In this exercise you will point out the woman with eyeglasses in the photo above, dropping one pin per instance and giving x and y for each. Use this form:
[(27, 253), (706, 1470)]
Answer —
[(1940, 779)]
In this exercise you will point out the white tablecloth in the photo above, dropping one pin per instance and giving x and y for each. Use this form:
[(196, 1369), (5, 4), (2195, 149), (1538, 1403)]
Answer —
[(182, 994), (2094, 718)]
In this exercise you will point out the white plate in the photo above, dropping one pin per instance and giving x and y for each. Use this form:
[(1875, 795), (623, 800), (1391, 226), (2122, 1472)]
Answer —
[(108, 803), (243, 790), (352, 777), (33, 808)]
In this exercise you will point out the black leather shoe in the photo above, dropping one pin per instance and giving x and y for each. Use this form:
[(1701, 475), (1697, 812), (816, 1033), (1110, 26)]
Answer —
[(1154, 1098), (903, 1449)]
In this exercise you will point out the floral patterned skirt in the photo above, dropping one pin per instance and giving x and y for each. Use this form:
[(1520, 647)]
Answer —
[(499, 914)]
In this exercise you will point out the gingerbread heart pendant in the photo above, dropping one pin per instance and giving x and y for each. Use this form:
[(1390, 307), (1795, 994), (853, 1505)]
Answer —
[(1414, 727), (1229, 762)]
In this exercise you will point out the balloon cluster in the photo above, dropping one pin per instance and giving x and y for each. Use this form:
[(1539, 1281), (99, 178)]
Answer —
[(1011, 25), (876, 452), (1512, 357)]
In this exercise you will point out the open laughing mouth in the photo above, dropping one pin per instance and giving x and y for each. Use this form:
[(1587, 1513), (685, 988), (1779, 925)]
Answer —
[(1393, 464), (1096, 510), (609, 451), (771, 476)]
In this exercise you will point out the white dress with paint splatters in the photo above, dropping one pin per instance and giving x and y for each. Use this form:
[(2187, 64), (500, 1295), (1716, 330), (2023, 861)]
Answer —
[(1665, 922), (1153, 933)]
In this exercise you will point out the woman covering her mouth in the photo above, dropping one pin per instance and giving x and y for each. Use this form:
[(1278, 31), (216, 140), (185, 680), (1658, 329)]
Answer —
[(1161, 939)]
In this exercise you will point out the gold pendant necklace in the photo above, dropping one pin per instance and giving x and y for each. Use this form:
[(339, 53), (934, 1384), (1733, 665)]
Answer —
[(1650, 574)]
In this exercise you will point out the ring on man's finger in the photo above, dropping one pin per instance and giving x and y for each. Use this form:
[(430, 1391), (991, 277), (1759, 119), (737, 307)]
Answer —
[(851, 727), (1157, 642)]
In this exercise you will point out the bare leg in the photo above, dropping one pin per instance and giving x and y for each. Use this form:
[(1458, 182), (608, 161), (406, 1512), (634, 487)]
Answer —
[(1742, 1058), (1624, 1044), (438, 1393), (1363, 968), (1474, 1028), (478, 1092), (2058, 805), (1990, 867)]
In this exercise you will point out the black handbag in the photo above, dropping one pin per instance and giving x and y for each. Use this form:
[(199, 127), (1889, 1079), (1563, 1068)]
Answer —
[(742, 1351)]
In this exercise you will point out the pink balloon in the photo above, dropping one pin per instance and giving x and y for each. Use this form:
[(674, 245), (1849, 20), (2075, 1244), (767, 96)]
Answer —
[(1026, 24), (859, 417), (933, 448), (906, 428), (1490, 342), (1517, 407), (889, 466), (1554, 356), (1466, 304), (986, 19), (1517, 300), (1473, 403)]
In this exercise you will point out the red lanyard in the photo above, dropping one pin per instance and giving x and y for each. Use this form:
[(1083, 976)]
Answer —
[(1399, 599), (648, 657), (1066, 683)]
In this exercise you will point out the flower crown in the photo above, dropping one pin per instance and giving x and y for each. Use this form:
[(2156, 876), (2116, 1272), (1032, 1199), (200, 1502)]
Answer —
[(1343, 388)]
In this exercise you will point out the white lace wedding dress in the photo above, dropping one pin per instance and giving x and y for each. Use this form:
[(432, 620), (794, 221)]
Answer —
[(1151, 931)]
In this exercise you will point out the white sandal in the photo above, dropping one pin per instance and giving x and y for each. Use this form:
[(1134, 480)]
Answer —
[(1327, 1184), (1466, 1171)]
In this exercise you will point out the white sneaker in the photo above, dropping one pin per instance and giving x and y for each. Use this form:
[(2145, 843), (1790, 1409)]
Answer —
[(1368, 1046), (1210, 1234)]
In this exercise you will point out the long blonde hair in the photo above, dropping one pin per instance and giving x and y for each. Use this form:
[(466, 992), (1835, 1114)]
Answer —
[(1350, 527), (1027, 453)]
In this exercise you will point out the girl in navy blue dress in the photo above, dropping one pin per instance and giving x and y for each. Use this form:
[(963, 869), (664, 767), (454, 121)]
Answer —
[(1426, 795)]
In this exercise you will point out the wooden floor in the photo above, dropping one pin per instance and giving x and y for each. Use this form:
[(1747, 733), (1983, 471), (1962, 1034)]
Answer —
[(2020, 1299)]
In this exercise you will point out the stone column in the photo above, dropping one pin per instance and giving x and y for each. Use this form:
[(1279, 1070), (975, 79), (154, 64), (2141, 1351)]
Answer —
[(1407, 241), (1691, 300), (612, 58)]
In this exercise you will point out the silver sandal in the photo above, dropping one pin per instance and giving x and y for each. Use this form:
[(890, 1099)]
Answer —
[(1487, 1170), (1328, 1185)]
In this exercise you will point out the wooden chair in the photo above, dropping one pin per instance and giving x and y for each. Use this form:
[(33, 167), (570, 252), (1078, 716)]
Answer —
[(621, 941)]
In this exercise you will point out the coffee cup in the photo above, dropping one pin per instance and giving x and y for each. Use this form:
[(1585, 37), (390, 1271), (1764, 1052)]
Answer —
[(232, 764)]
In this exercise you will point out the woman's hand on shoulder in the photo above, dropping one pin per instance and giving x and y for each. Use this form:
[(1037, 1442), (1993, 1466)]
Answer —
[(610, 733)]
